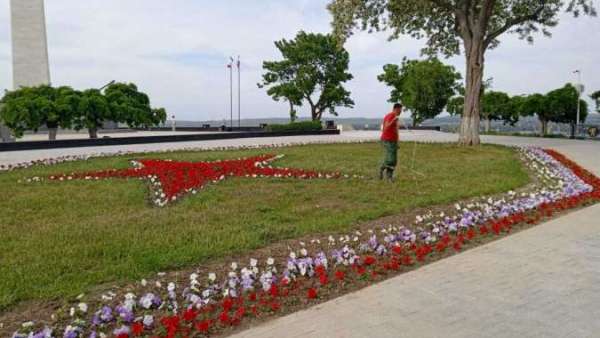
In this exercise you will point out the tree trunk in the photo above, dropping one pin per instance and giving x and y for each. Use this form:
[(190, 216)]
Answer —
[(316, 115), (292, 112), (93, 132), (52, 133), (469, 127), (488, 124), (414, 122), (544, 127)]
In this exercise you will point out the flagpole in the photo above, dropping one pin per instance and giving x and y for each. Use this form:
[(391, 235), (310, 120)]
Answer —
[(231, 92), (239, 93)]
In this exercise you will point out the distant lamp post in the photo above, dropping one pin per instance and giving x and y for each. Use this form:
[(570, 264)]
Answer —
[(230, 67), (173, 124), (580, 89)]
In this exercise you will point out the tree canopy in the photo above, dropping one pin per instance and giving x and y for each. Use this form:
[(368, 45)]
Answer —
[(454, 26), (596, 97), (313, 69), (562, 103), (500, 106), (29, 108), (130, 106), (424, 87)]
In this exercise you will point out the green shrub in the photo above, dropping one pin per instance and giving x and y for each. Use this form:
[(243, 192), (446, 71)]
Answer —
[(296, 126)]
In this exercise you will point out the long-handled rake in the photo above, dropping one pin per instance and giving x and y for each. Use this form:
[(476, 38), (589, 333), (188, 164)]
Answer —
[(414, 153)]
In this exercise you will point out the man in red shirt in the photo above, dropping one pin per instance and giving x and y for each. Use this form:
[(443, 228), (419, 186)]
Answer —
[(389, 139)]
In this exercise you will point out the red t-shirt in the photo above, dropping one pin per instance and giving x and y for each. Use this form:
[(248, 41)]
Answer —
[(391, 132)]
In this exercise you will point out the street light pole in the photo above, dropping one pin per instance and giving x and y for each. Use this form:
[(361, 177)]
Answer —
[(579, 90), (230, 66), (239, 93)]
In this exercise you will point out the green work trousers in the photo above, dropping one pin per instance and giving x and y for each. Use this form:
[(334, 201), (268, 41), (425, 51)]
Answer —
[(390, 158)]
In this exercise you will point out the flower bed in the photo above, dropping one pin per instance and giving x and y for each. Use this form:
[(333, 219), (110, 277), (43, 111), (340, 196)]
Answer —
[(172, 179), (211, 303)]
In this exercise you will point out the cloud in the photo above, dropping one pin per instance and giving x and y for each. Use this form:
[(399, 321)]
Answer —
[(177, 51)]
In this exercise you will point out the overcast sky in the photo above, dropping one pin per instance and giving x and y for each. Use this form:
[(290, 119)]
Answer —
[(176, 51)]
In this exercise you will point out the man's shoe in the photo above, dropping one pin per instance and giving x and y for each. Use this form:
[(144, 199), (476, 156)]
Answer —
[(381, 170)]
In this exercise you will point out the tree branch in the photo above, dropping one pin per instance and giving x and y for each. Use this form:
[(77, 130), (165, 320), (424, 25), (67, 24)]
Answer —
[(515, 21), (487, 9)]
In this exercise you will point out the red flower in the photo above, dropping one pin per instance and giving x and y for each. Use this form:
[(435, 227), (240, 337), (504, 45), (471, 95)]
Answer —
[(189, 315), (339, 275), (393, 264), (227, 304), (369, 260), (483, 230), (320, 270), (360, 270), (252, 296), (312, 293), (323, 279), (471, 234), (203, 326), (441, 246), (274, 291), (239, 313), (224, 318), (407, 260), (275, 306), (457, 245), (122, 335), (137, 328), (397, 249)]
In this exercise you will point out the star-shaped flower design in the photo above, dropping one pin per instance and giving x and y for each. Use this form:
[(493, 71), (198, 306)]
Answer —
[(171, 179)]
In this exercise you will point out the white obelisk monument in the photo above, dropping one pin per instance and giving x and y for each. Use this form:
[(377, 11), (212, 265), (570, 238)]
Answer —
[(29, 46)]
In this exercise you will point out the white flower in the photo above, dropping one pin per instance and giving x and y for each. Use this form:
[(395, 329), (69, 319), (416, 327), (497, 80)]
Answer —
[(193, 276), (303, 252), (72, 312), (292, 255), (27, 324), (171, 287), (270, 261), (253, 262), (148, 320), (212, 276), (234, 266), (144, 282), (83, 307)]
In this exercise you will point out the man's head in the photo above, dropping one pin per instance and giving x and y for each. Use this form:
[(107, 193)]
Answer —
[(397, 108)]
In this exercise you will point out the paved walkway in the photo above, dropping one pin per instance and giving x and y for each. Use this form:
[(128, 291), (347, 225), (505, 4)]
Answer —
[(542, 282)]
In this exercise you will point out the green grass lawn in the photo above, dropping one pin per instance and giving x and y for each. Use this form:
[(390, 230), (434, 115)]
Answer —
[(60, 238)]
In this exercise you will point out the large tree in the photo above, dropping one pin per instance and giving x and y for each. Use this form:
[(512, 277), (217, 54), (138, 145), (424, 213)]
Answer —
[(498, 106), (454, 26), (537, 104), (596, 97), (313, 69), (562, 103), (128, 105), (92, 111), (29, 108), (424, 87)]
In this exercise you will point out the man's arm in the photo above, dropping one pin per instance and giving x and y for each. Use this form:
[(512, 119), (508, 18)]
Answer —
[(387, 124)]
